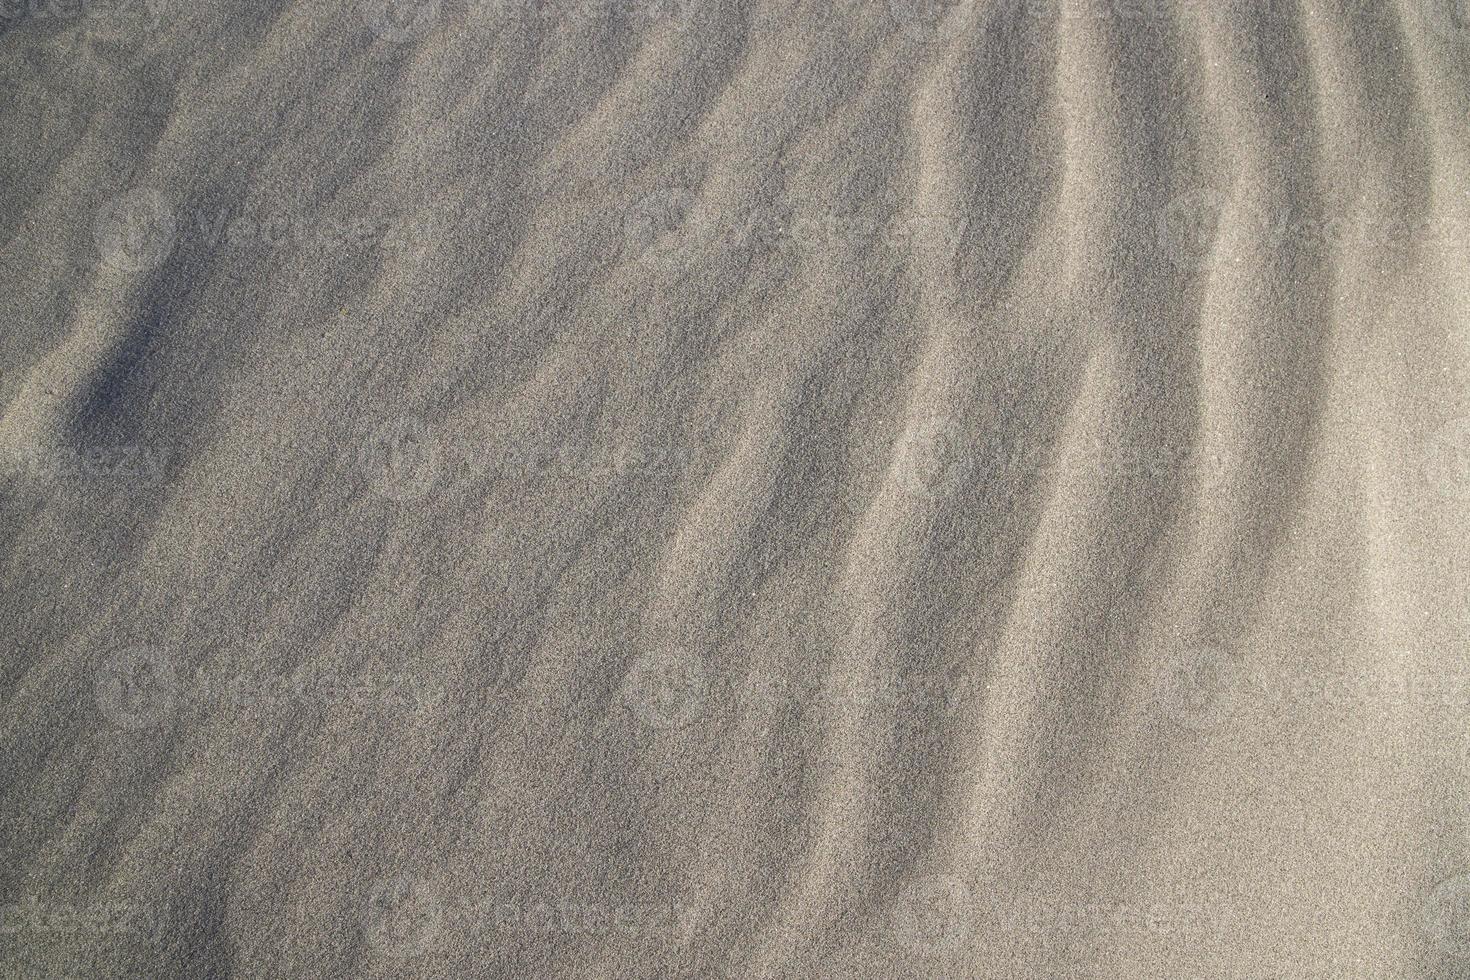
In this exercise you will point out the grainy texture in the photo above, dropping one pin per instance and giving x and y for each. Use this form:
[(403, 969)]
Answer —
[(717, 488)]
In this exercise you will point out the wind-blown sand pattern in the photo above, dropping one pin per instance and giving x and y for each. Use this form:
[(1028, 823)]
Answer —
[(718, 488)]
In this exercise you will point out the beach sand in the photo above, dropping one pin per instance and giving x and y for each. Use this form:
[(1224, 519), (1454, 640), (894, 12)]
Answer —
[(718, 488)]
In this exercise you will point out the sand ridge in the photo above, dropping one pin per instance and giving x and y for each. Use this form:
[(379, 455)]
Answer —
[(691, 488)]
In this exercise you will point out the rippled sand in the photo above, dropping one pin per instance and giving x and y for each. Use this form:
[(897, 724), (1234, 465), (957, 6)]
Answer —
[(717, 488)]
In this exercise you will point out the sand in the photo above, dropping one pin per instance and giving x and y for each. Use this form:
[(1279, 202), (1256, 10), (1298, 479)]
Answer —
[(734, 488)]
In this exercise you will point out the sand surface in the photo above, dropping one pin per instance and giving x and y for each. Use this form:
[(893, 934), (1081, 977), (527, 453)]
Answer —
[(735, 488)]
